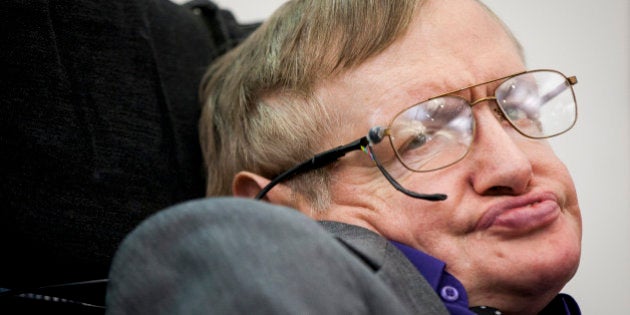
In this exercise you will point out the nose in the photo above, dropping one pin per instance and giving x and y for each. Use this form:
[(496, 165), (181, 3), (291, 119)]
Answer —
[(500, 166)]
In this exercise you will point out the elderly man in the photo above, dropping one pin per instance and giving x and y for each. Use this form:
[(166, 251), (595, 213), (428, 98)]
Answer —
[(462, 178), (411, 126)]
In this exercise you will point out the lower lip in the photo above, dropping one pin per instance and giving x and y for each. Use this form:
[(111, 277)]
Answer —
[(528, 217)]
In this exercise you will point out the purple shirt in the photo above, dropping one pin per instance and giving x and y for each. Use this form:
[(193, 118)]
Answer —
[(452, 292)]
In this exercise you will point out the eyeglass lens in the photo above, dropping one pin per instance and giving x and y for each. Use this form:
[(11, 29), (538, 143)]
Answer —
[(439, 132), (538, 104)]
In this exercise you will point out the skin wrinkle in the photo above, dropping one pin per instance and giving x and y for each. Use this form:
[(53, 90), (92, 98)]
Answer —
[(367, 209)]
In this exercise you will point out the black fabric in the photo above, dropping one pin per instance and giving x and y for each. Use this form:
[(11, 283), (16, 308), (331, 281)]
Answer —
[(485, 310), (225, 31), (98, 117)]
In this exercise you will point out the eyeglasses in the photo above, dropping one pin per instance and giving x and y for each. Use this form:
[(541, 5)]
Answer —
[(439, 132)]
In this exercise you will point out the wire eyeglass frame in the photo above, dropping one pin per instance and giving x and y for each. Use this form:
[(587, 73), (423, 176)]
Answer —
[(377, 134)]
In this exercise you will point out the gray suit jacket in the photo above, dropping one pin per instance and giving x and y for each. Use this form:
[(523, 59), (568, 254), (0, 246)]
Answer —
[(390, 265), (238, 256)]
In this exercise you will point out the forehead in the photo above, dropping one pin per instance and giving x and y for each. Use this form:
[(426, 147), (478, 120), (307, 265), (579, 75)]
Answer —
[(449, 45)]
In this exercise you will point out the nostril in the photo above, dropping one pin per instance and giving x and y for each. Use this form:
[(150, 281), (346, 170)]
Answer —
[(499, 191)]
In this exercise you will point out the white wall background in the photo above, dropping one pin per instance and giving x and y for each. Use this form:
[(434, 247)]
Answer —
[(589, 39)]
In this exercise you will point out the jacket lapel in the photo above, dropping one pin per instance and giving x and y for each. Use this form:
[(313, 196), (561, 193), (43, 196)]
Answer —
[(390, 265)]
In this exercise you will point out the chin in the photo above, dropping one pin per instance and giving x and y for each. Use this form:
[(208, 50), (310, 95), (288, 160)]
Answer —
[(552, 261), (546, 275), (555, 274), (529, 274), (530, 286)]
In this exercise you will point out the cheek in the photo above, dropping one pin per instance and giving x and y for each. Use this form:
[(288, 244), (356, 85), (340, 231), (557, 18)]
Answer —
[(428, 226), (432, 226), (543, 158)]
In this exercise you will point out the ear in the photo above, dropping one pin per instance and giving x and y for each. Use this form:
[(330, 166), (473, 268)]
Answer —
[(248, 185)]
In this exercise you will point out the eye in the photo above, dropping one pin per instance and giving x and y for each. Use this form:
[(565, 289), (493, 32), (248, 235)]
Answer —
[(519, 98), (515, 113), (415, 141), (433, 133)]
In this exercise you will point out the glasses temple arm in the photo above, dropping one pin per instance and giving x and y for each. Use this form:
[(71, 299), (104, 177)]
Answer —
[(317, 161), (559, 89)]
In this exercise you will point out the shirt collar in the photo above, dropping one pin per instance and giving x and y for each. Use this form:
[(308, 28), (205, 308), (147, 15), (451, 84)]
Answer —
[(447, 287)]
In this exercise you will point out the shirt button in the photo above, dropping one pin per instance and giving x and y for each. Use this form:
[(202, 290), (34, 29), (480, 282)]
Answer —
[(449, 293)]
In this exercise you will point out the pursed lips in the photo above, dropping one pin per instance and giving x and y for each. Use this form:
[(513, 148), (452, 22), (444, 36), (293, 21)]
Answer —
[(521, 213)]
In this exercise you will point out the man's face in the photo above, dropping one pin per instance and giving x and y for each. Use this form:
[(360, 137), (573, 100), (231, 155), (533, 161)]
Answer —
[(511, 225)]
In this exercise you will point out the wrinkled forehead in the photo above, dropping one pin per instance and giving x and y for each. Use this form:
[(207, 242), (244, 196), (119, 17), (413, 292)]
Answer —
[(450, 44)]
